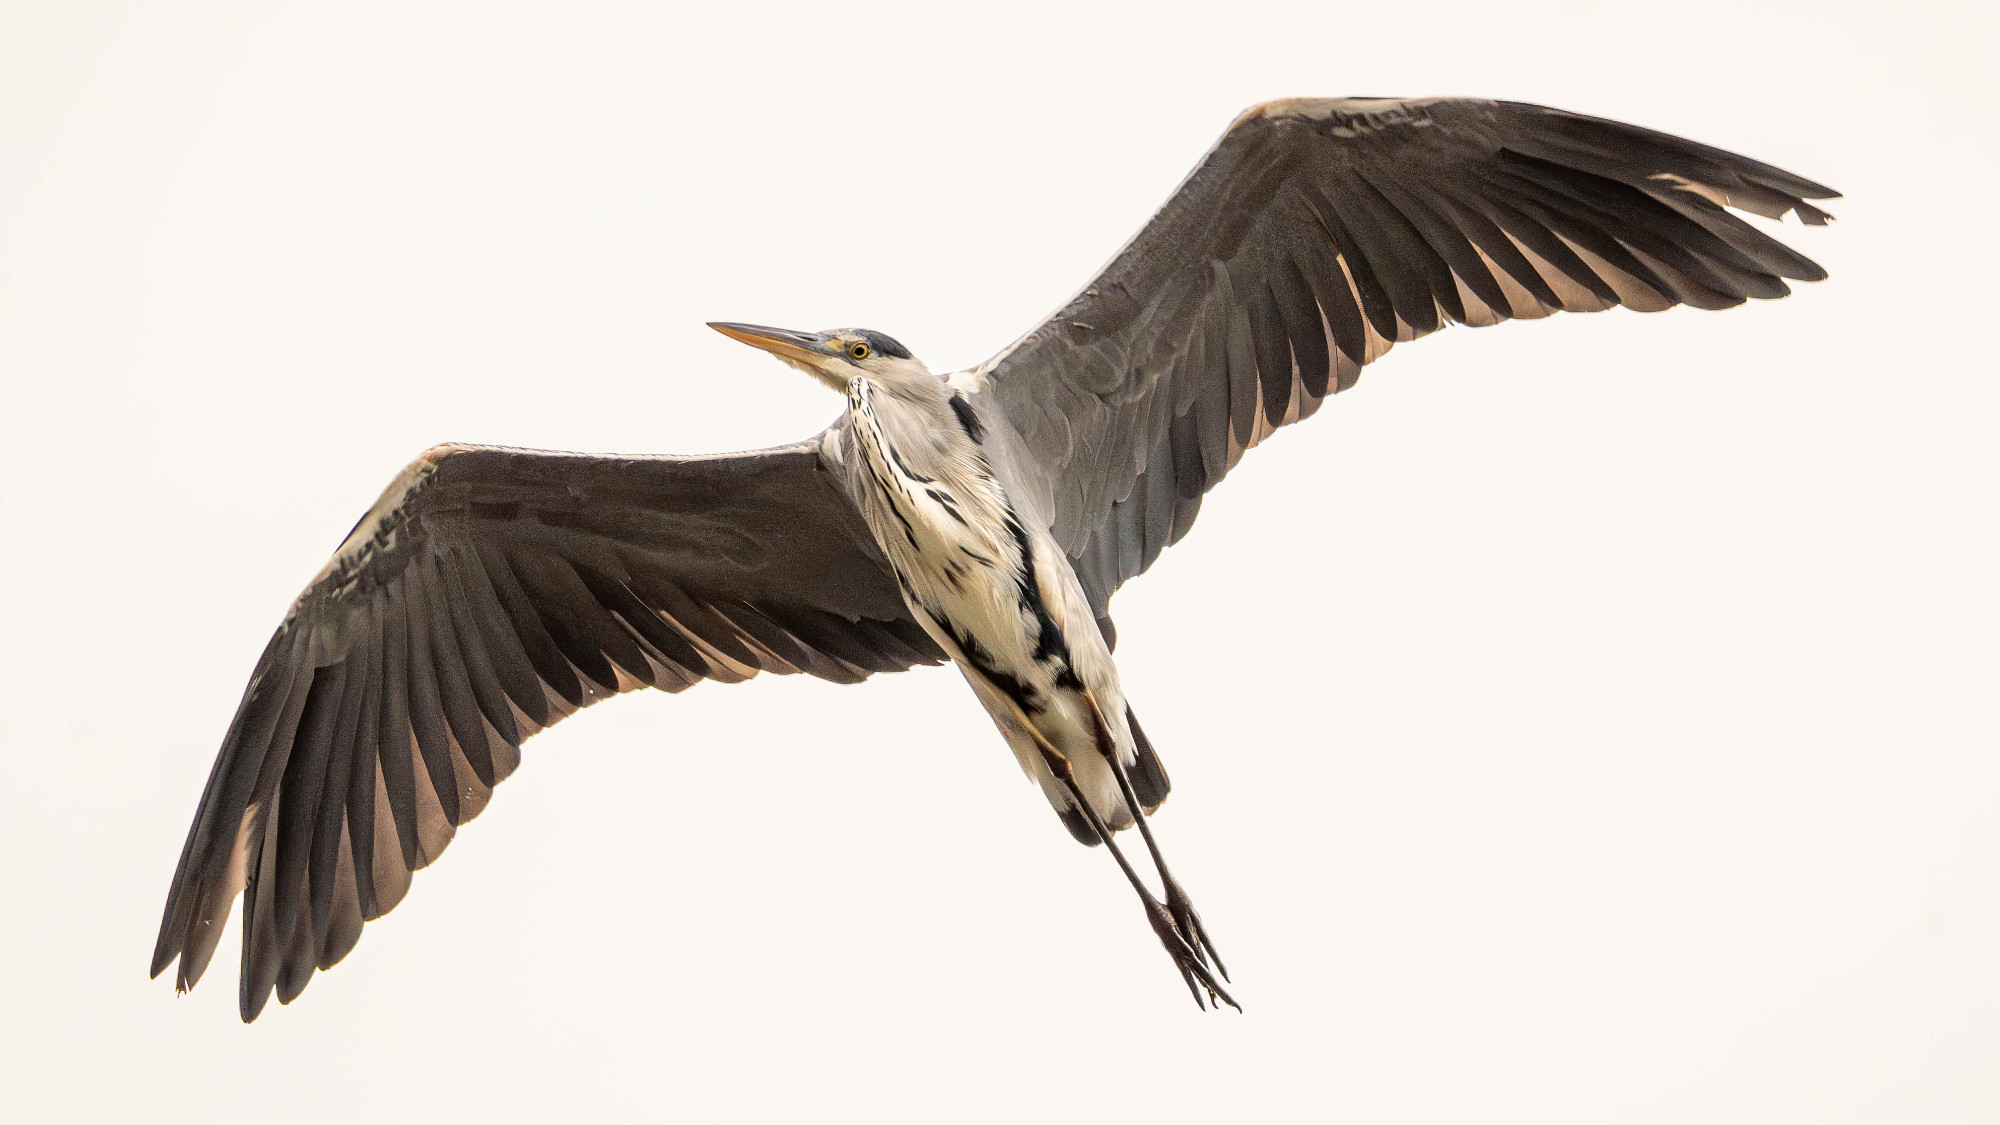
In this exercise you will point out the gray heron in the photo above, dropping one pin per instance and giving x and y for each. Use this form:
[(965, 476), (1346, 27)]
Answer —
[(984, 517)]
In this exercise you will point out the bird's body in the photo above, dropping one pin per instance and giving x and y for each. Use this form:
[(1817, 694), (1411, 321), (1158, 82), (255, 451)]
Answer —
[(986, 517), (987, 582)]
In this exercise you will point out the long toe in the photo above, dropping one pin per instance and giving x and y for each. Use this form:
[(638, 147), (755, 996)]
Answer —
[(1192, 969), (1189, 924)]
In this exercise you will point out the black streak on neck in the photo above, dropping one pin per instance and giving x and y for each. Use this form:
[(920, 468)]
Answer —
[(967, 417)]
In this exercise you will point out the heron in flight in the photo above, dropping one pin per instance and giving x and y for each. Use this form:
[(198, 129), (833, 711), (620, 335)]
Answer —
[(984, 517)]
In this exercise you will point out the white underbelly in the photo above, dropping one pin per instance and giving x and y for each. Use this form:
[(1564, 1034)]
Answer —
[(1000, 597), (970, 584)]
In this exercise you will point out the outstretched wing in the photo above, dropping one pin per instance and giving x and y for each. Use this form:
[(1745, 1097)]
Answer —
[(490, 593), (1320, 232)]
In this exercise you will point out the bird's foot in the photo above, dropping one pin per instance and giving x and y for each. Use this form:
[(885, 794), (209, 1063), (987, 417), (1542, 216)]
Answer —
[(1189, 924), (1193, 969)]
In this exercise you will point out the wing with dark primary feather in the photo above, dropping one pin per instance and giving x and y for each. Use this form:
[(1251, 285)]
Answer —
[(489, 594), (1318, 233)]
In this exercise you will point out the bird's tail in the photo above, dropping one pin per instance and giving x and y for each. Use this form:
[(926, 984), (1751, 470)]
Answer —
[(1149, 777), (1149, 784)]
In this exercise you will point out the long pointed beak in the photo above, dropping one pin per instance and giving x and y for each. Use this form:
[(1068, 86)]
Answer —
[(778, 341)]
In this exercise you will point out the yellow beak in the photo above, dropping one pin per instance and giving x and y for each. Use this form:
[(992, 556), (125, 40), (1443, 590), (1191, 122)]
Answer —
[(778, 341)]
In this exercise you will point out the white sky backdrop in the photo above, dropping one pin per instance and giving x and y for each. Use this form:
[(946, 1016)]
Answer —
[(1582, 721)]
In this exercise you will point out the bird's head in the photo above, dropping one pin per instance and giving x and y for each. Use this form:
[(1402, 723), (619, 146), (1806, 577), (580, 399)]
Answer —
[(836, 355)]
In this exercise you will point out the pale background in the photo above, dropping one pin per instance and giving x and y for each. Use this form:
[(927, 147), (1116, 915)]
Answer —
[(1582, 721)]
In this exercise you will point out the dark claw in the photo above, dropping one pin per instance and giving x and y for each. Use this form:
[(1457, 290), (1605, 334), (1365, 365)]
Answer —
[(1193, 970), (1189, 924)]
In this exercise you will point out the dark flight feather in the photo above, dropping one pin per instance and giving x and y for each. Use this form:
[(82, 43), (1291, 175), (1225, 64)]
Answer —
[(489, 594), (1370, 221)]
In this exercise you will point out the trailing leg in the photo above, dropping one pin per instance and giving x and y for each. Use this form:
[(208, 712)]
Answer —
[(1193, 968), (1008, 713), (1177, 902)]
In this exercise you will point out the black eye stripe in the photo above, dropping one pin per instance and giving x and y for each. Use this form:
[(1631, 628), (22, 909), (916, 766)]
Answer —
[(884, 345)]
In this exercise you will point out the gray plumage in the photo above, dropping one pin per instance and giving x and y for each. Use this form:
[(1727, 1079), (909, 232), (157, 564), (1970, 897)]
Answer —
[(489, 595), (986, 517), (1319, 233)]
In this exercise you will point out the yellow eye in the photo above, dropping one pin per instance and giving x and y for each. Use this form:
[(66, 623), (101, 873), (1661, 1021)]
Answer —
[(858, 351)]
